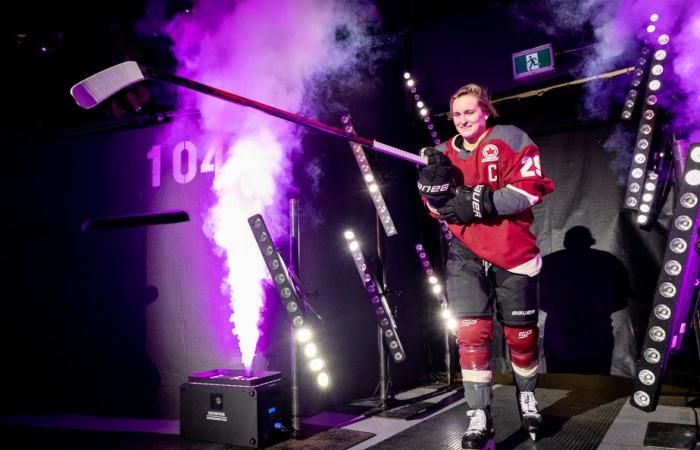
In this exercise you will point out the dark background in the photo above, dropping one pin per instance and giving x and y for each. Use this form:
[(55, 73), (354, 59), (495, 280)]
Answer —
[(111, 322)]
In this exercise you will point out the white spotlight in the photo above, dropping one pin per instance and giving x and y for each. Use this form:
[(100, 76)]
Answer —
[(424, 112), (323, 379), (693, 177), (349, 235), (695, 153), (303, 334), (354, 246), (432, 279), (410, 82), (437, 289), (406, 75), (451, 323), (654, 17), (310, 350), (317, 364)]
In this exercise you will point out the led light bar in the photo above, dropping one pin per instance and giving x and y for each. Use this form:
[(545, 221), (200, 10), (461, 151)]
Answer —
[(649, 188), (674, 289), (421, 108), (377, 299), (370, 180), (640, 158), (285, 285), (436, 287), (638, 75)]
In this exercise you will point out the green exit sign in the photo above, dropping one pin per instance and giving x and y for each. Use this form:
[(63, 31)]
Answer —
[(534, 61)]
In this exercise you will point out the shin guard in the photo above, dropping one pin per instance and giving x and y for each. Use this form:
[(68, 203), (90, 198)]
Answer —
[(523, 349), (474, 341)]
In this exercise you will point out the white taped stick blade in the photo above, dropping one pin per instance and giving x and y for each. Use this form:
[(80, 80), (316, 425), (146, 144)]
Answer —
[(96, 88)]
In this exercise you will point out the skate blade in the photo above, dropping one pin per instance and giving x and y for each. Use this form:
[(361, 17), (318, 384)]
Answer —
[(489, 445)]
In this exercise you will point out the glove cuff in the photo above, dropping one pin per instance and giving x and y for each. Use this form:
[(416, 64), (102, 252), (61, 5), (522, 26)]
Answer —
[(482, 201)]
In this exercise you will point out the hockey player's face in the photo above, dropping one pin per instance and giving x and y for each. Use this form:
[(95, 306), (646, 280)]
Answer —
[(468, 117)]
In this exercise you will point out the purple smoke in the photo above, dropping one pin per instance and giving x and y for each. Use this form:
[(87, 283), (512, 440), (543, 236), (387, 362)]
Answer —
[(276, 53), (619, 27)]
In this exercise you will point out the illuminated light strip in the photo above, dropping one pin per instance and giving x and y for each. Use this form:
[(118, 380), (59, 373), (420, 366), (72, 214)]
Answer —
[(278, 270), (371, 181), (432, 278), (649, 188), (290, 295), (421, 107), (377, 299), (640, 158), (639, 73), (674, 289), (436, 287), (637, 77)]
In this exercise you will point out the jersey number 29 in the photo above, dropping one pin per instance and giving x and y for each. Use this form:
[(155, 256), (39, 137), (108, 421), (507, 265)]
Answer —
[(531, 166)]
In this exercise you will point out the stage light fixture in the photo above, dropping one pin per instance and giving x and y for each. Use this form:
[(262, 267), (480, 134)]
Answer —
[(436, 287), (278, 270), (288, 289), (645, 212), (377, 298), (671, 309), (367, 174), (423, 110), (316, 364), (640, 160), (303, 334), (323, 379), (638, 75)]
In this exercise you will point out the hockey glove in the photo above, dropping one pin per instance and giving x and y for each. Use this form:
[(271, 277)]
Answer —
[(435, 179), (468, 204)]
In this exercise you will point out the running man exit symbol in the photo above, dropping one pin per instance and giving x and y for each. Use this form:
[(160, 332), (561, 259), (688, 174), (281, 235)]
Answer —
[(533, 61)]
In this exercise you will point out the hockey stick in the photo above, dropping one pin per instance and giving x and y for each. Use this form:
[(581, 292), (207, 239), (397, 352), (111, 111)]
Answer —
[(98, 87)]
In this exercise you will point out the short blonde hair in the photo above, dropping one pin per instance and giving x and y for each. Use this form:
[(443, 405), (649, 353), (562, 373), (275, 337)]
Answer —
[(479, 92)]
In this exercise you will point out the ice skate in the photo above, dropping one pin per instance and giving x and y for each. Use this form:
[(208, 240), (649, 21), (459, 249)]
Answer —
[(480, 429), (529, 414)]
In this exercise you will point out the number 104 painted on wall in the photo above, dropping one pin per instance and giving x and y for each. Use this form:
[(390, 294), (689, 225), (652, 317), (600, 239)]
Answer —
[(184, 158)]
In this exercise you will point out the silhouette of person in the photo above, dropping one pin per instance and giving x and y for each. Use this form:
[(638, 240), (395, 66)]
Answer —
[(580, 288)]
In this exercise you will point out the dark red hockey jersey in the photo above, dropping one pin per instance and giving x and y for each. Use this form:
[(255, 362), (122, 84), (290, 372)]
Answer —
[(506, 158)]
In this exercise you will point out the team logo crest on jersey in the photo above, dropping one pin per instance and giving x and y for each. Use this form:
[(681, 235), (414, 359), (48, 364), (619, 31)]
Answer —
[(490, 153)]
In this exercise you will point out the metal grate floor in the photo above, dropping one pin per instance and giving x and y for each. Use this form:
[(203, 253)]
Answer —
[(571, 420)]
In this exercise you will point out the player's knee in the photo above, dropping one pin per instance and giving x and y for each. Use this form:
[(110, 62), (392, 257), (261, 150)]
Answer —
[(523, 344), (474, 341)]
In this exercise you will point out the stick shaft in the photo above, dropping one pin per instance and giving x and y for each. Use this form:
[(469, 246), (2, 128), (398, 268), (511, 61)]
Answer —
[(286, 115)]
